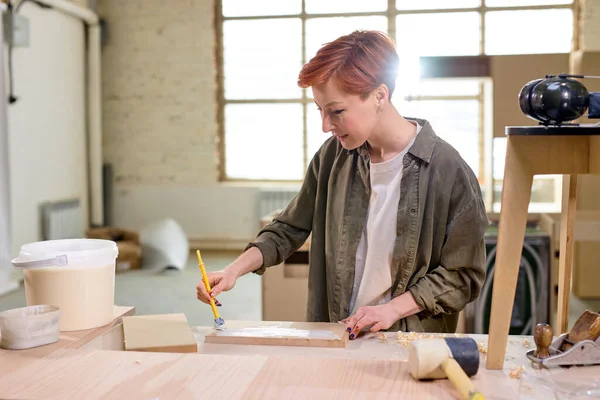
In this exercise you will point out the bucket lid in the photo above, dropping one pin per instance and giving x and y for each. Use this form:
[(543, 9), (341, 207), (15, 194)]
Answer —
[(56, 253)]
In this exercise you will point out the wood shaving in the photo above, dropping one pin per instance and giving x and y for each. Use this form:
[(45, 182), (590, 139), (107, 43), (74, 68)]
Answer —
[(382, 337), (526, 343), (482, 346), (405, 338), (515, 373)]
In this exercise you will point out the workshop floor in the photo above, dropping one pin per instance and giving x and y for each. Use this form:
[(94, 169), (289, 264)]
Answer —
[(174, 291)]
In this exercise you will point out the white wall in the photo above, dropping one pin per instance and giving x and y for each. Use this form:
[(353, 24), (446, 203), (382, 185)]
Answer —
[(47, 132), (218, 215), (6, 282)]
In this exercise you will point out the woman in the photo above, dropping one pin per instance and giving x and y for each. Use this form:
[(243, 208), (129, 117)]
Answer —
[(396, 215)]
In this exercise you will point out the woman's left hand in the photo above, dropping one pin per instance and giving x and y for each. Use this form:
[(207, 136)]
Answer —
[(377, 317)]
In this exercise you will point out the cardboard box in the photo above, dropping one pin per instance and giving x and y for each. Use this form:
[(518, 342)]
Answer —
[(130, 256), (285, 292), (586, 273), (128, 243), (285, 286), (114, 234)]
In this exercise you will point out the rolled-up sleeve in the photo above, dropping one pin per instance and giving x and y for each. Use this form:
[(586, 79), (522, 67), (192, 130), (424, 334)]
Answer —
[(457, 281)]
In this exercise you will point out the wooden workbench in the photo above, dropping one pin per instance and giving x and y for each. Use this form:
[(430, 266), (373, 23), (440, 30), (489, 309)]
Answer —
[(92, 365)]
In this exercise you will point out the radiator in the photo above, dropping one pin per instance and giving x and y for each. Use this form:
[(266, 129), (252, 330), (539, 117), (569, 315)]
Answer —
[(274, 199), (62, 220)]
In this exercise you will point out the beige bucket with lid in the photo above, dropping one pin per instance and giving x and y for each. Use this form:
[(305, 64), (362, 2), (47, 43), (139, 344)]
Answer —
[(76, 275)]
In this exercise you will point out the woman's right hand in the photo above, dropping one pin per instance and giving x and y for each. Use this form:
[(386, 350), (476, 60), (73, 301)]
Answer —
[(224, 280), (219, 281)]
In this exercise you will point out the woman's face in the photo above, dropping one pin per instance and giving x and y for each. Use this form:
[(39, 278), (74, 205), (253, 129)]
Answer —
[(348, 117)]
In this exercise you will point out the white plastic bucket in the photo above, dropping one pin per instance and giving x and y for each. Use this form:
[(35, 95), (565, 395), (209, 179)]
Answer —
[(76, 275)]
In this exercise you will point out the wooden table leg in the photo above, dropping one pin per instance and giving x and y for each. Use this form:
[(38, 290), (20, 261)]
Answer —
[(565, 263), (516, 193)]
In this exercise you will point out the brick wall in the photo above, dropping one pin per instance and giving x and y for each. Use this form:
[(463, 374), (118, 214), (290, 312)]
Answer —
[(159, 122), (158, 82)]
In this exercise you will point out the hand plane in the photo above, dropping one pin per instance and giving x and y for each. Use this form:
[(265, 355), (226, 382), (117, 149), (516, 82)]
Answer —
[(580, 346)]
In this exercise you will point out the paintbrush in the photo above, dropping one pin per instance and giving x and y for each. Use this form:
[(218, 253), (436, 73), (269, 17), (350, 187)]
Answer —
[(219, 322)]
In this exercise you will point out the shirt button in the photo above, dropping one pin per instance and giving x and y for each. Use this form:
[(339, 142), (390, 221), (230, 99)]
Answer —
[(413, 210), (409, 252), (416, 167)]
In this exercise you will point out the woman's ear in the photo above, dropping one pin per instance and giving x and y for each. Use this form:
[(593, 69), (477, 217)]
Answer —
[(381, 95)]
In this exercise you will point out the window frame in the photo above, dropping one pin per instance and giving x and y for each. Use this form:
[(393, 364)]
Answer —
[(391, 13)]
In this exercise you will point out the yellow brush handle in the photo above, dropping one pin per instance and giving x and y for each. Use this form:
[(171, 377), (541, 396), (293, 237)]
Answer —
[(206, 284), (460, 380)]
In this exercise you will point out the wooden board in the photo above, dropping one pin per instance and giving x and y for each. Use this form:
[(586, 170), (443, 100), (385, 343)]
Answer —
[(107, 375), (169, 333), (367, 368), (311, 334), (142, 376)]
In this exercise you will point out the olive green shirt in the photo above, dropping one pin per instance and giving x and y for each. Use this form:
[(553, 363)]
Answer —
[(439, 252)]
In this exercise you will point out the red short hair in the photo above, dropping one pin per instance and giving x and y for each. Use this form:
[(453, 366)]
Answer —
[(359, 62)]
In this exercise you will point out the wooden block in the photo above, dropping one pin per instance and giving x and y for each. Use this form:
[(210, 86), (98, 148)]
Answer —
[(586, 328), (165, 333), (309, 334)]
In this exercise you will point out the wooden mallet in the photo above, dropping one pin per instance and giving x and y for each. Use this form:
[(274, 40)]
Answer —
[(454, 358)]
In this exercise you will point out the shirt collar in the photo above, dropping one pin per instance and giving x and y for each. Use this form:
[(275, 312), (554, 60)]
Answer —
[(422, 147)]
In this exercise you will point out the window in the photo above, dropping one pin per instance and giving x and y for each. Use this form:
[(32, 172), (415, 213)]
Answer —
[(322, 30), (435, 4), (413, 37), (276, 133), (546, 192), (500, 40), (270, 128)]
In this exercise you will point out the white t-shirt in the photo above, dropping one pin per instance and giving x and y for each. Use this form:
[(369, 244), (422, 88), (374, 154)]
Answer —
[(372, 277)]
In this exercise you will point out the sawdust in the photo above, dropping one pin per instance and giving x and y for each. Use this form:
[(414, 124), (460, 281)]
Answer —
[(138, 361), (382, 337), (515, 373), (482, 346), (405, 338)]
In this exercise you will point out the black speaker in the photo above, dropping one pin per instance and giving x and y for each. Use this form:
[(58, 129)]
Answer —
[(532, 296)]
